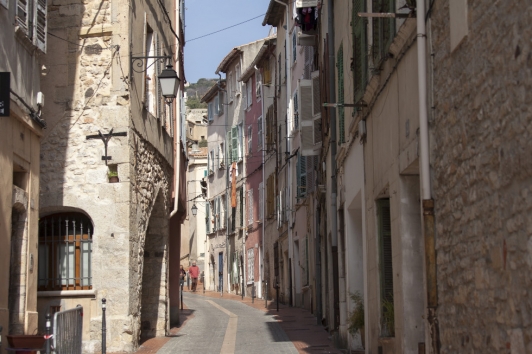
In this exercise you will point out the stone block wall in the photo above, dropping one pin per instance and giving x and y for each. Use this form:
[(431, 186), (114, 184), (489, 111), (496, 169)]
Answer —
[(481, 150)]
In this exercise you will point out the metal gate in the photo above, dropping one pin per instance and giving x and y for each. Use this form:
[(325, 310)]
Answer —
[(68, 328)]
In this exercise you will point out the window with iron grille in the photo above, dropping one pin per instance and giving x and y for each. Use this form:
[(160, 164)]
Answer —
[(250, 206), (301, 175), (250, 140), (251, 265), (65, 252)]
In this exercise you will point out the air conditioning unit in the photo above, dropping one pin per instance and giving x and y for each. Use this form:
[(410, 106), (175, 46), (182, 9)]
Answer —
[(306, 3), (306, 40)]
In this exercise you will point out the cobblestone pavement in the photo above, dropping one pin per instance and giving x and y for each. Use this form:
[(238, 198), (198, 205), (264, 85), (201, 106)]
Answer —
[(230, 324), (238, 329)]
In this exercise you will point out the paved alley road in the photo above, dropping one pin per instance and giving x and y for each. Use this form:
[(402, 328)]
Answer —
[(220, 325)]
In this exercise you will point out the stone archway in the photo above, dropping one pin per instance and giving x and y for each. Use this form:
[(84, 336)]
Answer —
[(154, 297)]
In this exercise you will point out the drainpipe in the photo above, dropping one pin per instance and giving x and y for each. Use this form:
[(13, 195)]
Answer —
[(428, 202), (288, 142), (334, 187), (228, 166), (176, 163)]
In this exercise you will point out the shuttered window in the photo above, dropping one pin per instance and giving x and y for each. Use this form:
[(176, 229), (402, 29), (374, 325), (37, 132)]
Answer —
[(31, 18), (341, 110), (261, 201), (385, 252), (360, 58), (208, 217), (301, 175), (259, 133), (234, 144), (383, 30)]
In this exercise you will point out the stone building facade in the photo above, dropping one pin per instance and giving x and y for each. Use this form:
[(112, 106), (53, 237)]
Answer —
[(111, 121), (480, 157), (21, 129)]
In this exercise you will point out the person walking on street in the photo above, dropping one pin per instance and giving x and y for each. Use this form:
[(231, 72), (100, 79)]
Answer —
[(182, 275), (194, 274)]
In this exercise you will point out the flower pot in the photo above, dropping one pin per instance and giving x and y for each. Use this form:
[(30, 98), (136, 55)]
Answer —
[(27, 343), (113, 179)]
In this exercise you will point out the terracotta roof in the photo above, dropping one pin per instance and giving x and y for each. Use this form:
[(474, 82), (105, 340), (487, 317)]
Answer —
[(274, 14)]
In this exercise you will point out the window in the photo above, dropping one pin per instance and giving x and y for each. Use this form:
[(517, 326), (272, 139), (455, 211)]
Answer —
[(237, 78), (65, 252), (221, 155), (360, 59), (285, 58), (210, 110), (259, 133), (240, 130), (301, 176), (230, 87), (249, 88), (234, 144), (250, 206), (341, 110), (258, 84), (458, 22), (31, 20), (279, 68), (261, 201), (267, 74), (208, 217), (251, 265), (294, 45), (383, 30), (245, 96), (250, 135), (385, 260), (211, 162), (270, 196), (296, 111)]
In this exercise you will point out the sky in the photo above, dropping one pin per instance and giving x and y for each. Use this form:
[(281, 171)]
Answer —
[(202, 17)]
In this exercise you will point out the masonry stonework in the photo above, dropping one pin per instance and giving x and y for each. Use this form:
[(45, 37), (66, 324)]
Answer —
[(481, 165)]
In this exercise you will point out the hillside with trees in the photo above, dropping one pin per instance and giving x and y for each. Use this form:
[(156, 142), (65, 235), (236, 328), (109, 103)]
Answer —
[(196, 91)]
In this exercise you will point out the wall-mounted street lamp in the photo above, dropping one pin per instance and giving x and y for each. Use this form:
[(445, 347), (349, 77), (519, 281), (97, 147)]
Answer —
[(194, 210), (168, 78)]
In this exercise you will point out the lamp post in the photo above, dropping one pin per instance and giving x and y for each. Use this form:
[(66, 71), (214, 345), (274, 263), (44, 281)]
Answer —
[(104, 330), (168, 78)]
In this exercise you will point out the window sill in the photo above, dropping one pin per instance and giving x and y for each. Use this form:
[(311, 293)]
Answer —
[(67, 293)]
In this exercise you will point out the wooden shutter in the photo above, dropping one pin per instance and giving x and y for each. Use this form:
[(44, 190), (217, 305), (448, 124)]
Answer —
[(245, 95), (383, 30), (22, 16), (208, 217), (240, 130), (228, 148), (40, 25), (316, 111), (259, 133), (234, 144), (385, 248), (261, 201), (360, 59), (340, 99)]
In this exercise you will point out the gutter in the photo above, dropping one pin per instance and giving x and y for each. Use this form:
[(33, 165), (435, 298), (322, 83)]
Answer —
[(428, 202)]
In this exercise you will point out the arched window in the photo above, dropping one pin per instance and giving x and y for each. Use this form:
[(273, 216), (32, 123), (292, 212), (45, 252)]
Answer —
[(65, 252)]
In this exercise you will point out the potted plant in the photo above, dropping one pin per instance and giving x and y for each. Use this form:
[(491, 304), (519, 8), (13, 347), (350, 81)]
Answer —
[(113, 176), (356, 317)]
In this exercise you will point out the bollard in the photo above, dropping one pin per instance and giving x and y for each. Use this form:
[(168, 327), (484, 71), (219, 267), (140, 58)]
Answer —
[(181, 296), (253, 292), (104, 330), (266, 296), (203, 281), (277, 295), (0, 339), (48, 332)]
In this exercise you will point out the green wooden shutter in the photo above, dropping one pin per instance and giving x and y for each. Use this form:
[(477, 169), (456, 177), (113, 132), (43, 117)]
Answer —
[(383, 30), (208, 217), (385, 248), (234, 142), (341, 110), (360, 59)]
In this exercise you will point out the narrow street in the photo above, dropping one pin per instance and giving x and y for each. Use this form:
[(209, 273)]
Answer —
[(228, 324)]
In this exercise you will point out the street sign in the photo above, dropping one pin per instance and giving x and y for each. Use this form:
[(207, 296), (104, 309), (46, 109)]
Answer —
[(5, 80)]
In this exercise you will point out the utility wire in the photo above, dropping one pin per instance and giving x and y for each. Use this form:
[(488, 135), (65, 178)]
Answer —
[(226, 28)]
